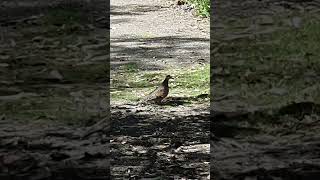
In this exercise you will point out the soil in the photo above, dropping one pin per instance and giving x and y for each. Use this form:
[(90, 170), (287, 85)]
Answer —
[(169, 141), (157, 35)]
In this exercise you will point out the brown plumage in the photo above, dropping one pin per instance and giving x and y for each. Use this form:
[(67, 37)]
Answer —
[(160, 93)]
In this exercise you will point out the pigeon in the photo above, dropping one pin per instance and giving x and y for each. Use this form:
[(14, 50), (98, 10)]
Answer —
[(160, 92)]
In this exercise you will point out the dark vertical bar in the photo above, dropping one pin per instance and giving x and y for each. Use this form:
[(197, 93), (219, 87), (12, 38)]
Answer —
[(109, 126), (54, 82), (214, 17), (265, 105)]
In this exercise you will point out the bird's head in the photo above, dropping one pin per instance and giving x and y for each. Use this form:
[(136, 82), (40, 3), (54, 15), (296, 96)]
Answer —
[(169, 77), (166, 80)]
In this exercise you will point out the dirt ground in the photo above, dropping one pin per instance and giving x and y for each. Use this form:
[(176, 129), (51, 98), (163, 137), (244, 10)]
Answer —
[(153, 141)]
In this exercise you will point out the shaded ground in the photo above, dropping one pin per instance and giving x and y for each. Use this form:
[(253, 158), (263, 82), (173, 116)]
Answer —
[(160, 143), (51, 152), (156, 36), (150, 39), (52, 86), (265, 104)]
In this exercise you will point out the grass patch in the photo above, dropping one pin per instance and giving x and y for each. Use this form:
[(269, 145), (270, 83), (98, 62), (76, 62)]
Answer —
[(64, 21), (64, 16), (128, 85), (130, 67), (64, 109), (272, 69), (202, 7), (85, 73)]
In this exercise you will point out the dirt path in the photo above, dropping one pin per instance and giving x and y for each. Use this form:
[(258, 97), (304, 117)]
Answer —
[(151, 141), (154, 34)]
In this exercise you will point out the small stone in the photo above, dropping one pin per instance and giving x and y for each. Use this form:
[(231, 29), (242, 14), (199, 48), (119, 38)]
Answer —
[(4, 57), (58, 156), (13, 43), (278, 91), (55, 74), (296, 22), (2, 117), (180, 2), (266, 20), (37, 39), (4, 64)]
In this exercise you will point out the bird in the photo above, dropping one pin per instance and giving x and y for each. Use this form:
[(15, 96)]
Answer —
[(160, 92)]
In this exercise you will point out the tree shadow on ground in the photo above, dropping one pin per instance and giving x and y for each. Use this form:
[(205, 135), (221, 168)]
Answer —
[(157, 138), (119, 21), (177, 101), (116, 11), (29, 70), (144, 51), (134, 10), (11, 11)]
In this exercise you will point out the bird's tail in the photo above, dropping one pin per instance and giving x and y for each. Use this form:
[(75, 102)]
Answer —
[(143, 101)]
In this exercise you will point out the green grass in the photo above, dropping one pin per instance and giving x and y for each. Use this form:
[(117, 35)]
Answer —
[(62, 109), (283, 44), (287, 60), (128, 84), (130, 67), (202, 7), (64, 16), (64, 21)]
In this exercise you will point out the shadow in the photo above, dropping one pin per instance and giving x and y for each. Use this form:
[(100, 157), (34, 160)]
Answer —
[(146, 51), (117, 13), (151, 130), (34, 76), (119, 21), (152, 53), (22, 9), (132, 10), (33, 71), (177, 101)]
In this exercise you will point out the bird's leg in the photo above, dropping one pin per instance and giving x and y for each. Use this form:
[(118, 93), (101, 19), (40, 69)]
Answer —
[(158, 101)]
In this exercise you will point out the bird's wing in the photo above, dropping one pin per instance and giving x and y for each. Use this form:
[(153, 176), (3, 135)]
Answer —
[(159, 92), (154, 94)]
